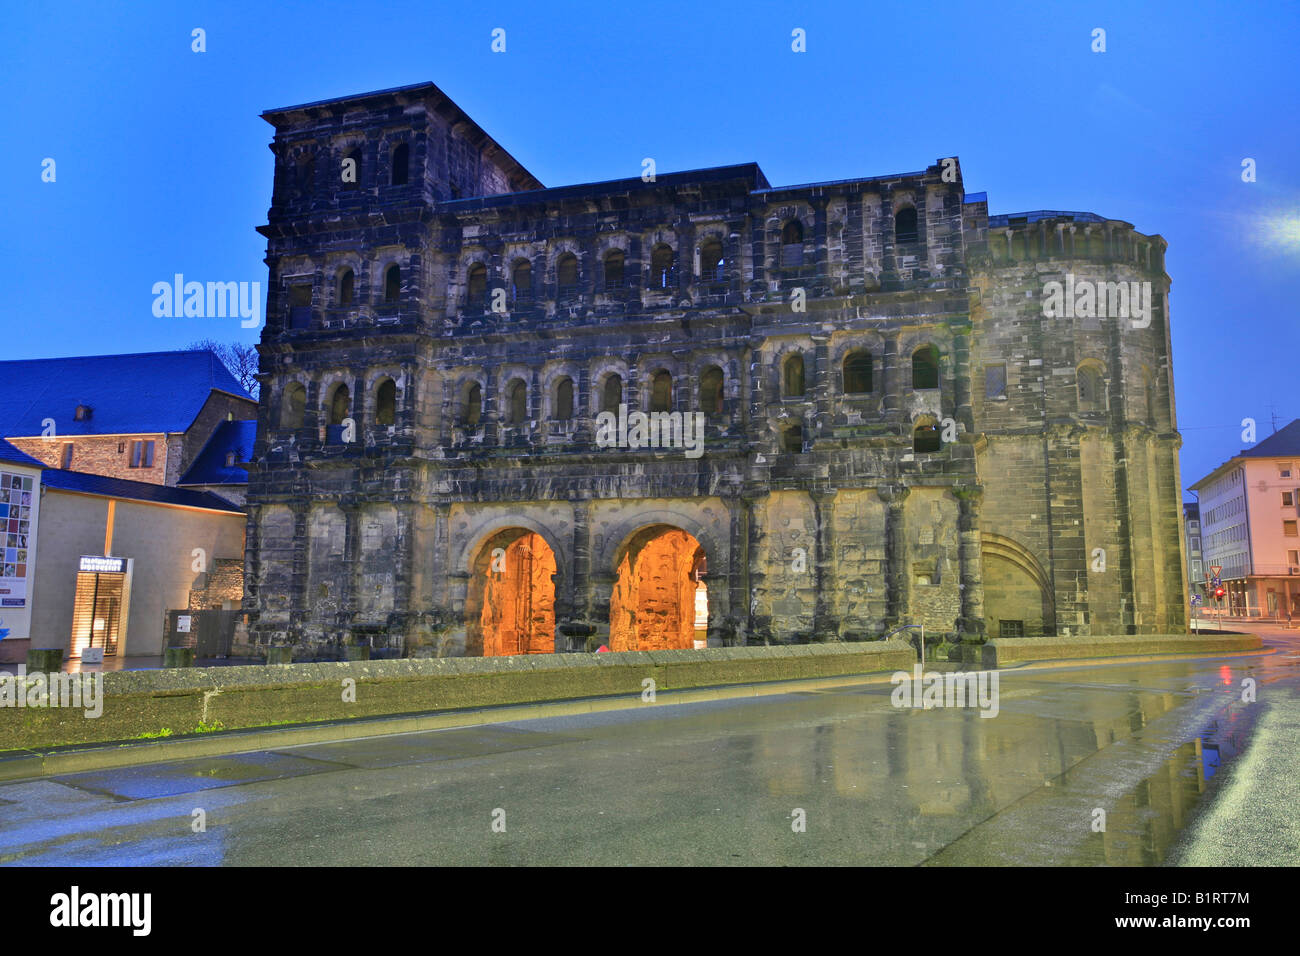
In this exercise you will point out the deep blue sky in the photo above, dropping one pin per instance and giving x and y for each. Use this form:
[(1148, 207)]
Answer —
[(163, 164)]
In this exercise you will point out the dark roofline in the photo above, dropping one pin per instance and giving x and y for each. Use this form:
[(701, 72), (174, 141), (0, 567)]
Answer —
[(413, 90), (102, 486), (711, 174)]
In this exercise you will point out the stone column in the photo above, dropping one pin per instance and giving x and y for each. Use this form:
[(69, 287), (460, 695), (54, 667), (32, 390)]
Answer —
[(971, 564), (738, 571), (298, 588), (758, 629), (404, 578), (826, 622), (351, 509), (897, 582), (577, 628)]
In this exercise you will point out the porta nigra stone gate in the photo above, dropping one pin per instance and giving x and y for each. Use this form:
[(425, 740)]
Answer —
[(893, 430)]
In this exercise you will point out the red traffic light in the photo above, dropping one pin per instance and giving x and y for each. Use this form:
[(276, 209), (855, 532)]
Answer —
[(1219, 592)]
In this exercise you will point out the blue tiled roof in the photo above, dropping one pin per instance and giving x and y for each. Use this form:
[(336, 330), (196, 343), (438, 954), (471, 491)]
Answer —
[(16, 455), (209, 467), (1281, 444), (133, 490), (147, 392)]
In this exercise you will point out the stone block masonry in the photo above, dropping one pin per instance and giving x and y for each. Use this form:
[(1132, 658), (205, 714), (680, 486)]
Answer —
[(894, 432)]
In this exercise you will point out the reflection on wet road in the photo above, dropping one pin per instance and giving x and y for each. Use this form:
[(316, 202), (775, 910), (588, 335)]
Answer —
[(1147, 744)]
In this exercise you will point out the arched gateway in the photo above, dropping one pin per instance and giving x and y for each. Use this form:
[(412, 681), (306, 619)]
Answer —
[(660, 601), (510, 608)]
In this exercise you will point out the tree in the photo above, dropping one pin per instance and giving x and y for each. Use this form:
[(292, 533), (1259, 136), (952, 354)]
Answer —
[(239, 359)]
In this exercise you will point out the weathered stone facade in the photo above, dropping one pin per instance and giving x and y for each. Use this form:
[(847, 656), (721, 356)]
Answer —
[(443, 333)]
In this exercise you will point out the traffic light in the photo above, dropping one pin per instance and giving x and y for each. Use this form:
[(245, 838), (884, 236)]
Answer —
[(1219, 593)]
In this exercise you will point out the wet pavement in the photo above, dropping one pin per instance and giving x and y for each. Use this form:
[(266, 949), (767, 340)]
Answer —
[(1124, 764)]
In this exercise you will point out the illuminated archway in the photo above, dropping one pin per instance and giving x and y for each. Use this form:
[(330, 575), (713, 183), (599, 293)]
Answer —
[(511, 603), (660, 601)]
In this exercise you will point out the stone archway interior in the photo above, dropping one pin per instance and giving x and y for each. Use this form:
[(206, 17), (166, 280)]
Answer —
[(518, 604), (659, 601)]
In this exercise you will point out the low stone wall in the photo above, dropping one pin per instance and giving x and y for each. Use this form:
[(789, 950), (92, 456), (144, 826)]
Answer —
[(1012, 650), (154, 703)]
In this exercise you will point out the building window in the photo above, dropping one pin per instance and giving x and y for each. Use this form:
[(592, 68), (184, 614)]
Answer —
[(477, 285), (566, 275), (611, 395), (1293, 557), (66, 460), (1288, 529), (392, 284), (1284, 473), (925, 438), (661, 267), (517, 396), (712, 265), (614, 269), (1195, 542), (1011, 628), (711, 390), (1194, 527), (792, 245), (339, 405), (905, 225), (293, 406), (401, 164), (386, 403), (661, 392), (300, 305), (925, 367), (141, 454), (995, 381), (347, 283), (792, 383), (473, 410), (121, 447), (1196, 569), (1089, 385), (1288, 499), (792, 440), (857, 373), (521, 280), (564, 399)]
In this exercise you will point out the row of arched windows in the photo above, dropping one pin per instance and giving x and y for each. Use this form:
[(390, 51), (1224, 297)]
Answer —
[(350, 173), (338, 404), (858, 367)]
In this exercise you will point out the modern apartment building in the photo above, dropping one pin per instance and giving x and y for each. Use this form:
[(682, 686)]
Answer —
[(1249, 522)]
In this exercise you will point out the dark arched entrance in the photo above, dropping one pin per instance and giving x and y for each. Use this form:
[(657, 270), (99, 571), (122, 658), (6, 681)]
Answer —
[(511, 604), (659, 600)]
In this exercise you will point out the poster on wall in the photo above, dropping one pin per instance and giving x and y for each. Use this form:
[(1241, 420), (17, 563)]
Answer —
[(15, 526)]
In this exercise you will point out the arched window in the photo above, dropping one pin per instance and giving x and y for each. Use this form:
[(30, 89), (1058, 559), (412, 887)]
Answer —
[(347, 282), (614, 269), (401, 164), (386, 402), (352, 170), (477, 294), (564, 399), (712, 265), (905, 225), (792, 384), (925, 367), (340, 404), (392, 284), (711, 390), (661, 266), (293, 407), (566, 274), (925, 437), (792, 244), (521, 280), (857, 372), (517, 397), (472, 410), (1091, 389), (611, 395), (792, 440), (661, 392)]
